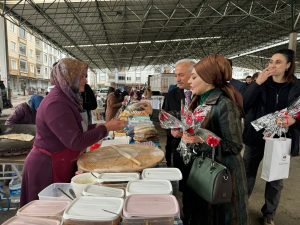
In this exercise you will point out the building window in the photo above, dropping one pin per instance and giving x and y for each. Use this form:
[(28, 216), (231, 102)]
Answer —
[(23, 66), (138, 79), (128, 78), (13, 46), (38, 70), (102, 78), (13, 63), (46, 71), (121, 78), (31, 53), (22, 49), (45, 58), (31, 68), (12, 27), (22, 33)]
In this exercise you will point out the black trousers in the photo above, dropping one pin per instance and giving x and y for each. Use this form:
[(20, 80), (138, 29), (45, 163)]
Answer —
[(252, 158)]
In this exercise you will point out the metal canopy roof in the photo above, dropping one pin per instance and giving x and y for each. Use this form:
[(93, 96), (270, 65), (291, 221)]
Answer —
[(121, 33)]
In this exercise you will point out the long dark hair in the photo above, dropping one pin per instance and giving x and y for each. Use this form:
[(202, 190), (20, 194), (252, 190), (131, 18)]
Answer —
[(289, 54)]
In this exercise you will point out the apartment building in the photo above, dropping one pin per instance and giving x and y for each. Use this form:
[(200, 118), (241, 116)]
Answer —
[(30, 60)]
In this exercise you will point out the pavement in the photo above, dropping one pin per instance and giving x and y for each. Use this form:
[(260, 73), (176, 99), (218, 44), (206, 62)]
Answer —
[(288, 212)]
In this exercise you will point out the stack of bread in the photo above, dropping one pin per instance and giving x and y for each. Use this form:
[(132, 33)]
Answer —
[(144, 133), (142, 108)]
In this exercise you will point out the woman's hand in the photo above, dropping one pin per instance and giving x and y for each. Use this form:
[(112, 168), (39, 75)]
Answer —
[(176, 133), (187, 138), (285, 121), (115, 124), (264, 75)]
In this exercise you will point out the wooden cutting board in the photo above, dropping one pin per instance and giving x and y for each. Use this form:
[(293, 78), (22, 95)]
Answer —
[(107, 159)]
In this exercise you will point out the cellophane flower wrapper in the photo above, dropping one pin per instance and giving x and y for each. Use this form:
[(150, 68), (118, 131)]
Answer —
[(192, 125), (268, 122), (167, 121)]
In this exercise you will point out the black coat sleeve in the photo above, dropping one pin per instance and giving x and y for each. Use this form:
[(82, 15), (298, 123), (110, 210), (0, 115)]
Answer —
[(89, 99)]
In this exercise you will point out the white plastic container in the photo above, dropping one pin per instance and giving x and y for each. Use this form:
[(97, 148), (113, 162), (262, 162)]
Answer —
[(52, 192), (150, 209), (44, 208), (117, 177), (81, 181), (102, 191), (162, 187), (25, 220), (172, 174), (93, 210)]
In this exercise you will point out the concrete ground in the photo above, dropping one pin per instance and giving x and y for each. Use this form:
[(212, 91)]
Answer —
[(288, 212)]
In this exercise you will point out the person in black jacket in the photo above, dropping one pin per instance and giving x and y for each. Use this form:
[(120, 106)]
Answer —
[(89, 101), (172, 103), (275, 88)]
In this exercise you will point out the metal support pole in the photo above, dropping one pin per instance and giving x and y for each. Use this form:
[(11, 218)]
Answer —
[(293, 41)]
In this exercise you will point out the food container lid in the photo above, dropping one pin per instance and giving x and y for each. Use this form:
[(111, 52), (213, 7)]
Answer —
[(84, 178), (52, 191), (118, 177), (171, 174), (148, 206), (102, 191), (91, 208), (25, 220), (43, 208), (149, 187)]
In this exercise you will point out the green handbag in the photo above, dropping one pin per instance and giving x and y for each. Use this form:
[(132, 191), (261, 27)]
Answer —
[(210, 180)]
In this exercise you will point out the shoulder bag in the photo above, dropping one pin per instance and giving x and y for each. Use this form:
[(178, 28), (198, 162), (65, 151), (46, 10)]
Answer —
[(210, 180)]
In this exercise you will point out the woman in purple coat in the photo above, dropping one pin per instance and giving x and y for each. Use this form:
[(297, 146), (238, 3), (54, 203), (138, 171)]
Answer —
[(61, 133), (25, 113)]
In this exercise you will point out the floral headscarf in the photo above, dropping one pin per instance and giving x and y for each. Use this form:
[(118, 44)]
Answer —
[(66, 75)]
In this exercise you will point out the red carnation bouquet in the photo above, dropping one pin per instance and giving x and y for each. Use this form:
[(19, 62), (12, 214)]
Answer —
[(268, 122), (190, 123)]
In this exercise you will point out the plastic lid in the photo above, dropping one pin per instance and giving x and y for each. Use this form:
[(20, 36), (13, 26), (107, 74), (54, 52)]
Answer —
[(25, 220), (149, 187), (84, 178), (102, 191), (150, 206), (53, 193), (171, 174), (91, 208), (118, 177), (43, 208)]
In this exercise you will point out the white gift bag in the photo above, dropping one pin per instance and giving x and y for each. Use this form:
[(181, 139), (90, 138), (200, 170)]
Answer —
[(276, 162)]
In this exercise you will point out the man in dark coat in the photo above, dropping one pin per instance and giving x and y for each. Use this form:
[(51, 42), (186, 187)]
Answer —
[(172, 103), (89, 101)]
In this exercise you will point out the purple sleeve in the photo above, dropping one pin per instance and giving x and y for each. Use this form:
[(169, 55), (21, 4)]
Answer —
[(17, 116), (63, 122)]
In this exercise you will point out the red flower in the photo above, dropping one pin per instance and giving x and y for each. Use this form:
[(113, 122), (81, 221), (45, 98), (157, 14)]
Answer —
[(190, 131), (94, 146), (212, 141), (189, 120), (199, 118), (163, 116), (297, 117)]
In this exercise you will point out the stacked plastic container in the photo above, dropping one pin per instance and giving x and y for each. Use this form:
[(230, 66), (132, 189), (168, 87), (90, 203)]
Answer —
[(53, 192), (173, 175), (150, 209), (91, 210), (44, 208), (23, 220)]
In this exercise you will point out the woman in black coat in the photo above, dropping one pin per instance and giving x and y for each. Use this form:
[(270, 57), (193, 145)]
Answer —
[(275, 88)]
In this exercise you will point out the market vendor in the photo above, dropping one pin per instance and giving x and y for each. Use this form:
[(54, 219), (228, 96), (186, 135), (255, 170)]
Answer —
[(61, 133)]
